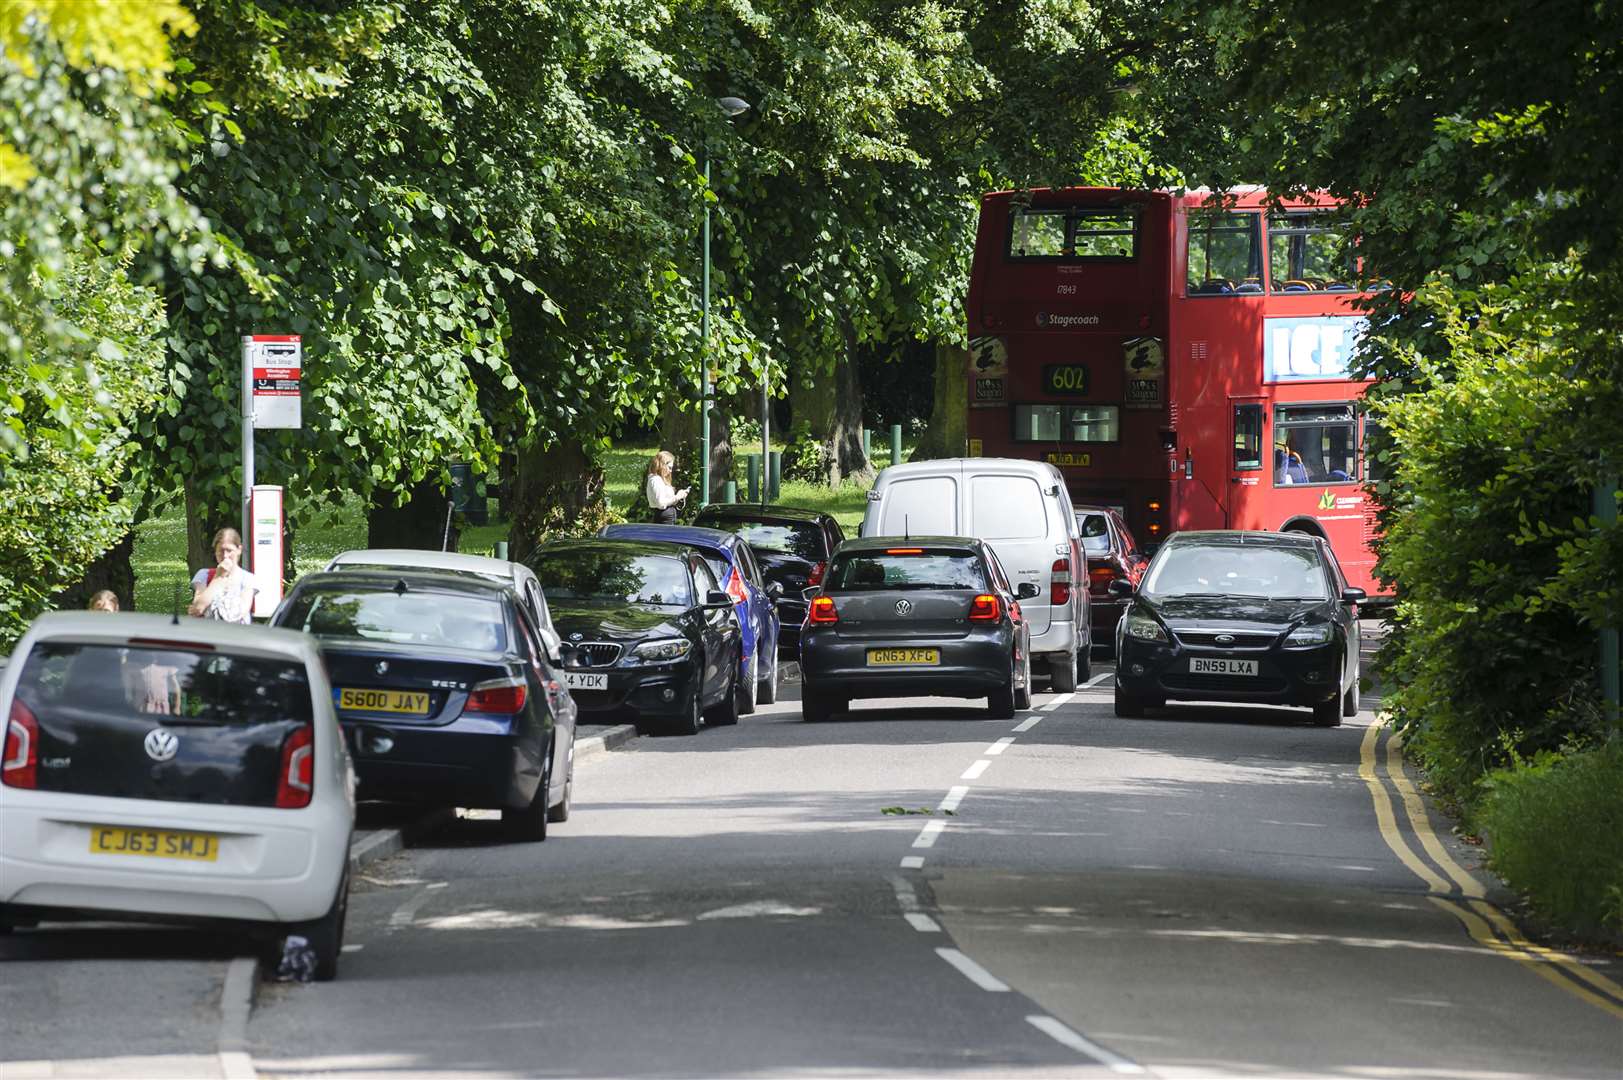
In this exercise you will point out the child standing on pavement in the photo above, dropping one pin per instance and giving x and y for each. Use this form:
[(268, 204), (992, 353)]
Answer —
[(225, 592)]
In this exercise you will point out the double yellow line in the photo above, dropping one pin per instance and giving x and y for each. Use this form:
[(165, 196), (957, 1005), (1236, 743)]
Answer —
[(1460, 894)]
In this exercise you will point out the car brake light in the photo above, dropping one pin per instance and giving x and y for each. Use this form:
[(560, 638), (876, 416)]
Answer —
[(1059, 588), (166, 643), (297, 777), (497, 696), (19, 762), (816, 577), (985, 608), (822, 610), (904, 551), (1100, 577)]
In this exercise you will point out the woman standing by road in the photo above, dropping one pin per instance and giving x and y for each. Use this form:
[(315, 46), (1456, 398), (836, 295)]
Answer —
[(225, 592), (662, 494)]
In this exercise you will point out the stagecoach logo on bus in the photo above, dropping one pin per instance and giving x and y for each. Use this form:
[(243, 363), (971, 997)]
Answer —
[(1145, 360), (1063, 321)]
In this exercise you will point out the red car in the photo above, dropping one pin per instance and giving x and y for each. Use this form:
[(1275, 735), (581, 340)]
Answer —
[(1112, 553)]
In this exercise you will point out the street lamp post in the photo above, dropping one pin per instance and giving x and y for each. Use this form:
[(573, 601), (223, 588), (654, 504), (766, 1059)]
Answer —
[(732, 106)]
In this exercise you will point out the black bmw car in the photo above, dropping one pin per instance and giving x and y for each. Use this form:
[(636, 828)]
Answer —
[(1256, 617), (444, 691), (792, 547), (649, 636), (925, 615)]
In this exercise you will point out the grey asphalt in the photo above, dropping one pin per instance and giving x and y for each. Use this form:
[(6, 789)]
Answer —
[(1203, 893)]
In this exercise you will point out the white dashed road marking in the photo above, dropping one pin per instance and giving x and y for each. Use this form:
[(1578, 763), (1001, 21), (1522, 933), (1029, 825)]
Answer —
[(954, 797), (912, 862), (1097, 679), (998, 747), (407, 912), (975, 770), (1027, 724), (1056, 703), (973, 971), (922, 922), (927, 835), (1066, 1037)]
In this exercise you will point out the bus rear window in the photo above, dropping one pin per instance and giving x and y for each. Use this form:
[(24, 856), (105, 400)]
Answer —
[(1225, 253), (1073, 234)]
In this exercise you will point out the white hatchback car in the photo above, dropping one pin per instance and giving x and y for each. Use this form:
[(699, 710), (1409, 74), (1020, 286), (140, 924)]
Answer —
[(174, 770)]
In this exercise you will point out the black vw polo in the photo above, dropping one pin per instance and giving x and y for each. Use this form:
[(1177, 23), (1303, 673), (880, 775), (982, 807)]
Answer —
[(1255, 617), (648, 634)]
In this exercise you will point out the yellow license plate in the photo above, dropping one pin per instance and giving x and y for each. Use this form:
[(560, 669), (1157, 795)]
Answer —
[(411, 702), (112, 840), (893, 657)]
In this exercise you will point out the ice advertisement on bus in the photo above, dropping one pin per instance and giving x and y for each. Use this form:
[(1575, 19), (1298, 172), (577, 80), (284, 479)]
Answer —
[(1184, 359)]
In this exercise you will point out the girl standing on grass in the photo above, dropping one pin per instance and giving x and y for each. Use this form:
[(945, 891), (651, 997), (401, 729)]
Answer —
[(225, 592), (662, 494)]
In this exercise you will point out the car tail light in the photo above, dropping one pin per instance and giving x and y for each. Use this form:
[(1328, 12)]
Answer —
[(816, 577), (505, 696), (985, 608), (822, 610), (297, 777), (1059, 588), (1100, 577), (19, 762), (904, 551)]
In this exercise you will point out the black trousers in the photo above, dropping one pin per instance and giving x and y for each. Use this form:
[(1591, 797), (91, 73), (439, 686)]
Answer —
[(666, 516)]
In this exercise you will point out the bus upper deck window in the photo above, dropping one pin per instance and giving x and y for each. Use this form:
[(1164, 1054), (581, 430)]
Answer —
[(1308, 252), (1073, 234), (1225, 253)]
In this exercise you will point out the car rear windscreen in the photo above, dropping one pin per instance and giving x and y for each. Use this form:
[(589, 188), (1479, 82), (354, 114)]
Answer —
[(226, 719), (1273, 573), (1095, 533), (803, 541), (399, 618), (613, 577), (856, 571)]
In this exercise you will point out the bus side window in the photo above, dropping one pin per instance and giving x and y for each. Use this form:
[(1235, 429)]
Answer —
[(1247, 438), (1225, 253)]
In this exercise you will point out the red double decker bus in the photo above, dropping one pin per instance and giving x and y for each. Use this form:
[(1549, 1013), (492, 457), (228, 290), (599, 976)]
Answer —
[(1182, 359)]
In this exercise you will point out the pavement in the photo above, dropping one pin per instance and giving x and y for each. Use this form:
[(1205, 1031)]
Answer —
[(913, 890)]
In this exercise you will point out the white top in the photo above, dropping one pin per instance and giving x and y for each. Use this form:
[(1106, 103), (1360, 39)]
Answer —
[(235, 602), (660, 493)]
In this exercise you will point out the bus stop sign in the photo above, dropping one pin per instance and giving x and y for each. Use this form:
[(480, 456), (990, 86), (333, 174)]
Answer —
[(272, 364)]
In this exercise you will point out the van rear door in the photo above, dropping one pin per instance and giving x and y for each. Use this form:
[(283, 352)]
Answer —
[(918, 506), (1010, 512)]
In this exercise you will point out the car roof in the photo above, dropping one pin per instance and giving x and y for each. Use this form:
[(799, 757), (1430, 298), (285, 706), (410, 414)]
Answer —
[(609, 543), (120, 626), (1091, 509), (691, 535), (763, 512), (426, 560), (1242, 538), (438, 581), (883, 543)]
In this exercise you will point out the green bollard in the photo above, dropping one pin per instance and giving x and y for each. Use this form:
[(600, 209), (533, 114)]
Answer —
[(501, 549), (895, 444), (774, 486), (729, 491), (752, 463)]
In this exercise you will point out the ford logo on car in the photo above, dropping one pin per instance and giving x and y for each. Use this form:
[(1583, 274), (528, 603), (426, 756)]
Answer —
[(1224, 639), (161, 745)]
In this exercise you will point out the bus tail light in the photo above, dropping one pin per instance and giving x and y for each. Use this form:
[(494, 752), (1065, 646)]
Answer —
[(1059, 587), (822, 611), (985, 608)]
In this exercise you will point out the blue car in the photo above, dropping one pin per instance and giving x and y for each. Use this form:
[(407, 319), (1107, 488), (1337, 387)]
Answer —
[(755, 600)]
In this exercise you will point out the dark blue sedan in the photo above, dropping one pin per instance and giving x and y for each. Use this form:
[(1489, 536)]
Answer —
[(755, 600), (443, 690)]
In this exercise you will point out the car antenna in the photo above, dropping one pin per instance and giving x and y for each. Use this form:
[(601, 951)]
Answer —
[(907, 533), (174, 617), (400, 587)]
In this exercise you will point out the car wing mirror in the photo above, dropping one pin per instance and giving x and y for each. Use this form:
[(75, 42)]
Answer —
[(1026, 590), (715, 598), (1120, 588), (1352, 596)]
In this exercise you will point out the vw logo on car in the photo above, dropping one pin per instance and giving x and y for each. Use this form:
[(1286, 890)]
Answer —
[(904, 606), (161, 744), (381, 667)]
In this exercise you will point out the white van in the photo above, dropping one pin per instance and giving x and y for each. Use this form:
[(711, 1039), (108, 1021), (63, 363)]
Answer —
[(1023, 510)]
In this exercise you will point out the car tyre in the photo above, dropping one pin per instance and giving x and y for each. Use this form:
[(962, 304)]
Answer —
[(690, 722), (560, 812), (749, 688), (1350, 700), (1328, 713), (815, 707), (1084, 665), (1000, 702), (326, 934), (1063, 670), (767, 692), (1128, 706), (726, 713), (528, 824), (1022, 693)]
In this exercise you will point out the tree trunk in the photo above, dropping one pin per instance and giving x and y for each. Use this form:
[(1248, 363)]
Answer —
[(556, 491), (830, 404), (418, 522), (948, 433), (202, 522), (114, 570)]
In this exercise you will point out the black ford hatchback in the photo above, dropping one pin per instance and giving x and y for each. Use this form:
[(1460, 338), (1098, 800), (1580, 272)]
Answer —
[(1265, 618)]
